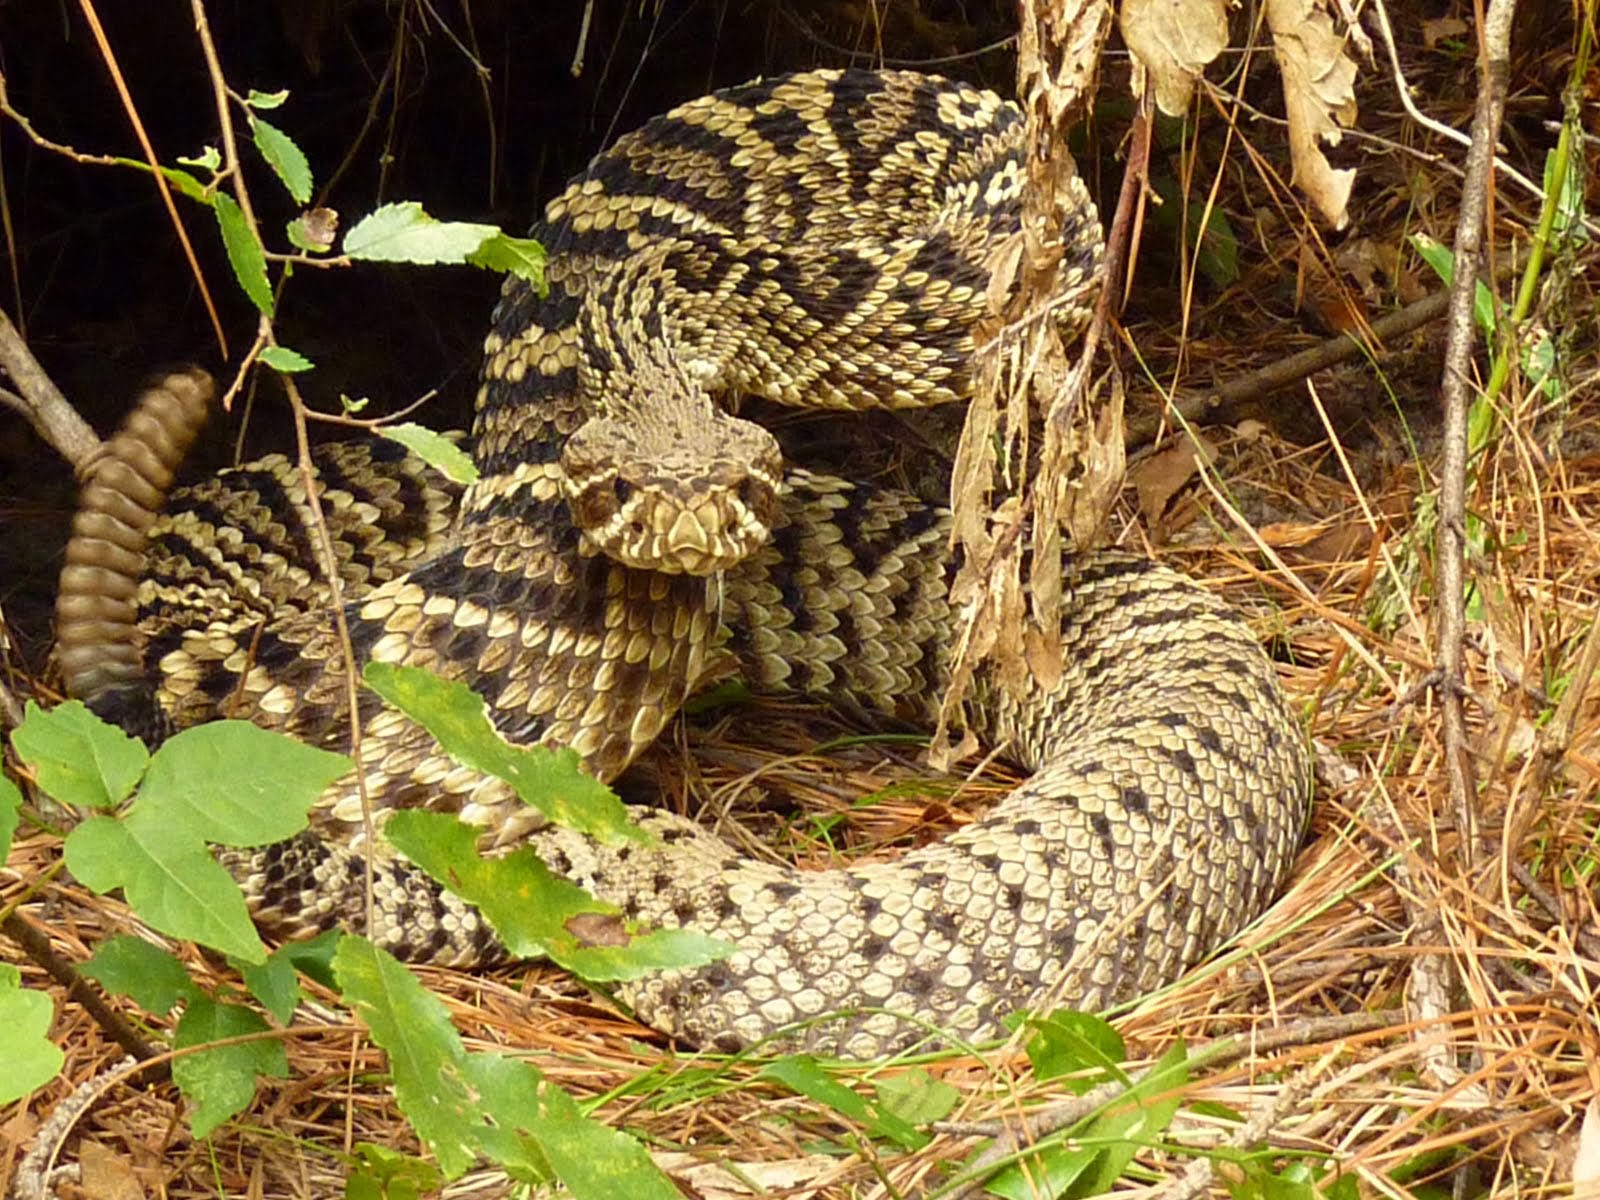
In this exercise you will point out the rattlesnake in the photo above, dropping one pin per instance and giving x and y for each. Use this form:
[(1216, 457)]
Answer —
[(817, 239)]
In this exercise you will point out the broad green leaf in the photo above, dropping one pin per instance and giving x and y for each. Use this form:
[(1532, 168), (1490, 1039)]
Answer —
[(284, 157), (31, 1058), (1069, 1043), (131, 966), (549, 780), (262, 101), (10, 805), (314, 956), (405, 233), (801, 1073), (1044, 1175), (168, 877), (522, 257), (273, 984), (80, 760), (537, 913), (385, 1174), (1136, 1120), (248, 260), (915, 1096), (425, 1052), (439, 452), (221, 1082), (594, 1161), (286, 361), (235, 784)]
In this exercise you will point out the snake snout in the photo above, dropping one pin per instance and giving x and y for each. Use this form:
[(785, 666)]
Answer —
[(688, 509)]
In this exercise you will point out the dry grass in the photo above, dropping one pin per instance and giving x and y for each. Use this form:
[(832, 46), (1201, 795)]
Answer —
[(1477, 1085)]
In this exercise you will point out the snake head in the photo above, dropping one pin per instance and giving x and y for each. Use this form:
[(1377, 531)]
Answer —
[(682, 498)]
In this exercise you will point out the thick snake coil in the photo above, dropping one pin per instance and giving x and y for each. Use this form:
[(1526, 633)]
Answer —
[(817, 239)]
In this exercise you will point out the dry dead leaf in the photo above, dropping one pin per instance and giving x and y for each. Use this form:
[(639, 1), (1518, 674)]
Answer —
[(1586, 1163), (1438, 29), (1175, 40), (106, 1174), (1319, 97), (1158, 478)]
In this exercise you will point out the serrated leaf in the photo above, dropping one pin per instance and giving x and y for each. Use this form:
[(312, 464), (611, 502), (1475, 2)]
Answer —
[(80, 760), (405, 233), (131, 966), (549, 780), (537, 913), (32, 1059), (522, 257), (10, 806), (285, 158), (438, 451), (168, 877), (594, 1161), (266, 100), (245, 255), (221, 1082), (195, 783), (802, 1074), (285, 361), (273, 984), (425, 1052)]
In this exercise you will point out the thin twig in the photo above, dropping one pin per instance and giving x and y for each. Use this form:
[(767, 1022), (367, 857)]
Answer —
[(1452, 537), (39, 400)]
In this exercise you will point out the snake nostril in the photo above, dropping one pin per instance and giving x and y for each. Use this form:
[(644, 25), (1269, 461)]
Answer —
[(622, 488), (749, 493)]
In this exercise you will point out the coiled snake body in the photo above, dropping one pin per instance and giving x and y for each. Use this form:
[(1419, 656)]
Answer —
[(816, 239)]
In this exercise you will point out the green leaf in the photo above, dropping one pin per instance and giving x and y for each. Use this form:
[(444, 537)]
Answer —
[(915, 1096), (266, 100), (1136, 1120), (32, 1059), (1044, 1175), (273, 984), (131, 966), (425, 1052), (1443, 261), (537, 913), (405, 233), (207, 160), (80, 760), (221, 1082), (286, 361), (800, 1073), (522, 257), (1067, 1043), (549, 780), (314, 956), (284, 157), (195, 782), (169, 879), (439, 452), (594, 1161), (10, 805), (245, 254), (385, 1174)]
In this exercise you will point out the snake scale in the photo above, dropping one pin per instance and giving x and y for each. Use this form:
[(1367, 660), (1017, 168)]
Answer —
[(818, 239)]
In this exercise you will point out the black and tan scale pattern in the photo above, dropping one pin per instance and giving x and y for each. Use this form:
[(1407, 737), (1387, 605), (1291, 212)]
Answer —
[(818, 239)]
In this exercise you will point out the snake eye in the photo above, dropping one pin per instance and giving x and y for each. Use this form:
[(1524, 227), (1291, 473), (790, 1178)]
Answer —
[(623, 489), (748, 493)]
